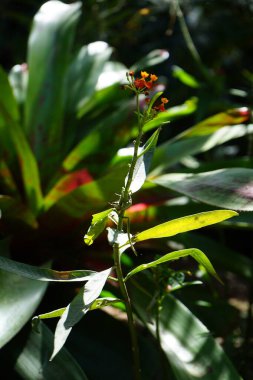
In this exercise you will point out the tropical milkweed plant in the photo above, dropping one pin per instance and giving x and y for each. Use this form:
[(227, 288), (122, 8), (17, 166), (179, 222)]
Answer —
[(149, 103), (61, 174)]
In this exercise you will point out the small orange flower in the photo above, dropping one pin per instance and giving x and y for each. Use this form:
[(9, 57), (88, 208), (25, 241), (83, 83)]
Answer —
[(139, 83), (149, 84), (164, 100), (131, 73), (153, 77), (144, 74)]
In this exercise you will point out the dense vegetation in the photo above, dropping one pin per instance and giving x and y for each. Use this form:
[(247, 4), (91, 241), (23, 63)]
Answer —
[(77, 224)]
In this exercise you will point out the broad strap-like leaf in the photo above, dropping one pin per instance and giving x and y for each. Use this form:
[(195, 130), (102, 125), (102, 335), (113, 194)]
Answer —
[(32, 359), (19, 298), (231, 188), (97, 226), (187, 223), (202, 137), (190, 348), (83, 74), (44, 274), (198, 255), (14, 212), (97, 142), (49, 49), (88, 198), (14, 144), (78, 308)]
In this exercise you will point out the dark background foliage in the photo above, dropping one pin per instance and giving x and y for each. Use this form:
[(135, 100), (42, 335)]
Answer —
[(222, 32)]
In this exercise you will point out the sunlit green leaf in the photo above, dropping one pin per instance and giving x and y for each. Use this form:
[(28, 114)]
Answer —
[(84, 72), (184, 224), (49, 47), (151, 59), (198, 255), (97, 226), (184, 77), (18, 77), (143, 163), (78, 308), (171, 152)]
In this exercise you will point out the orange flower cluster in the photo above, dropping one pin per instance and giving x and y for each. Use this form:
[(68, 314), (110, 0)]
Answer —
[(144, 84)]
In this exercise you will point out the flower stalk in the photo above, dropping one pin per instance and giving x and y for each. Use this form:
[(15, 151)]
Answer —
[(139, 86)]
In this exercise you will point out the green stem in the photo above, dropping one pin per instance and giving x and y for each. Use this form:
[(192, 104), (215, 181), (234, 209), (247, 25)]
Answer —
[(123, 204), (189, 42), (130, 320)]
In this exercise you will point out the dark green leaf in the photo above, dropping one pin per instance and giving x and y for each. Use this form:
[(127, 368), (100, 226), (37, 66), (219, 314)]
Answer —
[(231, 188), (44, 274), (188, 345), (19, 299), (32, 363)]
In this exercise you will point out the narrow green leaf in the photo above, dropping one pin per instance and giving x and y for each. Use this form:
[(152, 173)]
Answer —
[(103, 302), (198, 255), (44, 274), (184, 77), (78, 308), (143, 162), (51, 314), (231, 188), (97, 226), (153, 100), (27, 162), (151, 59), (172, 113), (171, 152), (184, 224), (97, 304), (7, 183)]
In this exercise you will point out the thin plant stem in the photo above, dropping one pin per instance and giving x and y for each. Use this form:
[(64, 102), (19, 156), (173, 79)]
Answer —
[(130, 320), (123, 204), (189, 42)]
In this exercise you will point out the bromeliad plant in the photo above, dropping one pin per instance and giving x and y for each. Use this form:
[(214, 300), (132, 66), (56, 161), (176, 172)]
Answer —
[(149, 103)]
